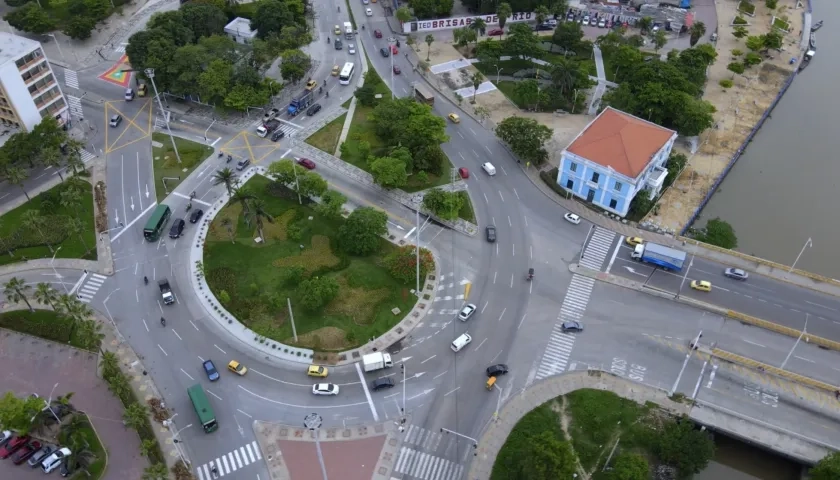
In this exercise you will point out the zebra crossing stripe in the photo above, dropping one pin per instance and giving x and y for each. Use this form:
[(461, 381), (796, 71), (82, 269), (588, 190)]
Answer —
[(597, 248), (71, 79)]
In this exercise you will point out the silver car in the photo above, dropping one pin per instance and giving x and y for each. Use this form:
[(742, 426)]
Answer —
[(736, 273), (351, 49)]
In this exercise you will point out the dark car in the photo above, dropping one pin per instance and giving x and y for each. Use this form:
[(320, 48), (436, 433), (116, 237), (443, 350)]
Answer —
[(397, 70), (491, 233), (543, 27), (384, 52), (16, 443), (381, 383), (240, 165), (338, 44), (25, 452), (571, 327), (177, 228), (277, 135), (40, 455), (210, 370), (314, 109), (496, 32), (67, 469), (196, 215), (306, 163), (496, 370), (377, 34), (736, 273)]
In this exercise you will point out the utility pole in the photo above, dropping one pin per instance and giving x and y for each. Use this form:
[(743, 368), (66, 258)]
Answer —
[(453, 432), (150, 72), (313, 422), (684, 277)]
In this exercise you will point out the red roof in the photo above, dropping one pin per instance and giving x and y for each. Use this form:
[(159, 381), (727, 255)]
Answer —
[(621, 141)]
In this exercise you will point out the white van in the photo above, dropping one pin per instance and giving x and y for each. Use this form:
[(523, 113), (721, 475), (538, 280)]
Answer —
[(461, 342), (489, 168), (348, 30)]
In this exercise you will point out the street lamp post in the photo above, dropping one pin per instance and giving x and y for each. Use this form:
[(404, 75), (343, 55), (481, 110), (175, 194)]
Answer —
[(56, 42), (402, 366), (47, 405), (498, 401), (391, 47), (56, 272), (808, 244), (801, 334), (453, 432), (692, 347), (208, 129), (150, 72), (684, 277), (313, 422), (417, 251)]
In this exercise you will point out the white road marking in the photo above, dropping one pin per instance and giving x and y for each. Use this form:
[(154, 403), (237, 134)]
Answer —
[(821, 306), (367, 392), (753, 343), (450, 392)]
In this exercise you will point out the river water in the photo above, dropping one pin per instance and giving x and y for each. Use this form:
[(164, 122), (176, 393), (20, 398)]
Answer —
[(782, 190), (735, 460)]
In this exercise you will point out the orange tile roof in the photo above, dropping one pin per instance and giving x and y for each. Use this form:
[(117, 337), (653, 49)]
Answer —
[(620, 141)]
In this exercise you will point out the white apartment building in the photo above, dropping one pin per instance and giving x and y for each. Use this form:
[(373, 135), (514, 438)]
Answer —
[(29, 90)]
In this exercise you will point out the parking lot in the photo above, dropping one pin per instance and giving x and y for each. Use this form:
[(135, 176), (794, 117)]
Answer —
[(32, 365)]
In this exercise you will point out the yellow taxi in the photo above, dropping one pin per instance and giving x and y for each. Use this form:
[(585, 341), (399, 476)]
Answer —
[(141, 90), (317, 371), (454, 117), (237, 368), (310, 85), (335, 70), (702, 285), (337, 30), (633, 241)]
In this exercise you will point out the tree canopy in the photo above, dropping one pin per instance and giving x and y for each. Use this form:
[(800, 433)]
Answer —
[(828, 468), (360, 234), (720, 233), (526, 138)]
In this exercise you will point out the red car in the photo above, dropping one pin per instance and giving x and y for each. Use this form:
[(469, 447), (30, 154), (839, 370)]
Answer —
[(306, 163), (377, 34), (394, 50), (464, 173), (397, 70), (26, 451), (15, 444), (496, 32)]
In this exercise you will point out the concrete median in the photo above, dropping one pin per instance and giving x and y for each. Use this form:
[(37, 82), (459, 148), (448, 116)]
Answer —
[(765, 368)]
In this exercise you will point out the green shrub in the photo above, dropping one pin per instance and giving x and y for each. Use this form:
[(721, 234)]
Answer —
[(726, 83), (222, 278), (550, 179), (739, 20), (44, 324)]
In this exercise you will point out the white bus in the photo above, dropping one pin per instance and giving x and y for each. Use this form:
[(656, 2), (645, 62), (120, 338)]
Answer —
[(346, 73)]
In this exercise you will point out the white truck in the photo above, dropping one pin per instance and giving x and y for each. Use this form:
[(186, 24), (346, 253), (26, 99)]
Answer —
[(348, 31), (376, 361)]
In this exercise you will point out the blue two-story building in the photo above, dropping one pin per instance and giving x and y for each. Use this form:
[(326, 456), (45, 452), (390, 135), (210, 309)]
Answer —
[(616, 157)]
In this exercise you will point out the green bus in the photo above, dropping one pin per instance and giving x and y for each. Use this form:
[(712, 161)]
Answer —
[(157, 222), (202, 408)]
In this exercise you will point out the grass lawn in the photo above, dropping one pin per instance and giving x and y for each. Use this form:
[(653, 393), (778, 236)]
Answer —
[(96, 469), (166, 163), (466, 212), (32, 243), (45, 324), (507, 87), (326, 138), (259, 278)]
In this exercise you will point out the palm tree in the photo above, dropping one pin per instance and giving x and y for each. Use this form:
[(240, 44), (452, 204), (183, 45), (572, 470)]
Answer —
[(479, 25), (110, 364), (135, 416), (74, 162), (244, 197), (563, 74), (697, 30), (541, 14), (33, 219), (65, 303), (89, 334), (77, 227), (45, 294), (430, 39), (16, 176), (503, 11), (226, 177), (71, 198), (17, 290), (260, 214), (157, 471), (477, 78), (120, 387), (51, 157), (645, 23), (147, 447), (228, 224)]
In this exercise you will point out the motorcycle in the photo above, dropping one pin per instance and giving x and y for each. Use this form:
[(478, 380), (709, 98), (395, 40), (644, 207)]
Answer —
[(146, 280), (221, 154), (530, 275), (189, 206), (162, 322), (229, 159)]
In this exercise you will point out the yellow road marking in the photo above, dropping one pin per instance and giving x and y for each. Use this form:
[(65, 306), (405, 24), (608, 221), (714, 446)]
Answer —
[(130, 122)]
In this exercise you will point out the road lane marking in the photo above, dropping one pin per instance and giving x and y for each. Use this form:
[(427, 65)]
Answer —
[(502, 197), (243, 413), (308, 385), (449, 392), (206, 204), (275, 402), (219, 348), (485, 198), (176, 334), (521, 321), (211, 393), (503, 314), (426, 360), (821, 306), (488, 301), (185, 373), (488, 150), (804, 359), (367, 392), (440, 374), (753, 343), (129, 224), (480, 344)]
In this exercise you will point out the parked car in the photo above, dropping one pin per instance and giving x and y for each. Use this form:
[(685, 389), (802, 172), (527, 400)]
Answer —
[(25, 452), (552, 22), (5, 436), (736, 273), (571, 327), (177, 228), (313, 109), (496, 32), (593, 22), (466, 312), (382, 383), (210, 370), (317, 371), (584, 20), (543, 27), (67, 469), (40, 455), (195, 216), (242, 164), (570, 17), (54, 461), (325, 389), (572, 218), (491, 233), (602, 23), (496, 370), (306, 163), (13, 445)]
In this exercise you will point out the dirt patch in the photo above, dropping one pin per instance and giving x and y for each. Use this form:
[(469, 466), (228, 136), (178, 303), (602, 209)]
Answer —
[(559, 407), (357, 303), (100, 199), (218, 231), (326, 338), (277, 229), (317, 256)]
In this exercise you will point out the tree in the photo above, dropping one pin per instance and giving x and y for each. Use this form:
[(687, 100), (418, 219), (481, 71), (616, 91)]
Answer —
[(79, 27), (476, 79), (771, 4), (89, 334), (408, 123), (243, 196), (45, 295), (17, 413), (30, 18), (548, 458), (360, 234), (828, 468), (567, 35), (629, 466), (659, 40), (479, 25), (740, 31), (563, 74), (388, 172), (751, 59), (503, 12), (259, 213), (270, 18), (528, 91), (402, 263), (541, 13), (773, 39), (697, 30), (755, 42), (317, 292), (204, 20), (215, 81), (156, 471), (526, 138), (403, 14), (16, 176), (311, 185), (170, 24), (331, 204), (225, 177), (445, 205), (294, 66), (147, 447), (135, 416), (32, 219), (430, 158), (522, 41), (682, 445), (240, 97), (644, 24), (720, 233), (736, 67), (489, 52), (429, 40), (51, 157)]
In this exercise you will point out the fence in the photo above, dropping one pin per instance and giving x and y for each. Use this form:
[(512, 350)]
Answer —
[(746, 142)]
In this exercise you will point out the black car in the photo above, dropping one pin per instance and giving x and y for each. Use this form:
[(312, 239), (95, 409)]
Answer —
[(571, 327), (240, 165), (491, 233), (543, 27), (314, 109), (496, 370), (277, 135), (381, 383), (196, 215), (338, 44), (177, 228), (385, 52), (67, 469)]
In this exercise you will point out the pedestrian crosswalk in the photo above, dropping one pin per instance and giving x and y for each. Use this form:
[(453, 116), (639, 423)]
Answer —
[(230, 462), (75, 104), (120, 48), (86, 156), (560, 344), (597, 248), (90, 287), (420, 465), (71, 79)]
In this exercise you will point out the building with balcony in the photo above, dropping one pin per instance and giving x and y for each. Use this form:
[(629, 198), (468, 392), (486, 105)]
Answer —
[(616, 157), (29, 91)]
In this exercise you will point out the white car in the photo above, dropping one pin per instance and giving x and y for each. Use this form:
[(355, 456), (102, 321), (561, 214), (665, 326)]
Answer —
[(368, 12), (602, 23), (489, 168), (466, 312), (585, 20), (351, 49), (572, 218), (54, 461), (325, 389)]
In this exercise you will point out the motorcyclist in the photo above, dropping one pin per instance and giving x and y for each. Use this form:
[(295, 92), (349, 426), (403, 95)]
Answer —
[(162, 321), (146, 280)]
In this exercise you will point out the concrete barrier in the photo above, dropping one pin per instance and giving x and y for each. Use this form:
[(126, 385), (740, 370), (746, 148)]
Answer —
[(790, 332), (793, 377)]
